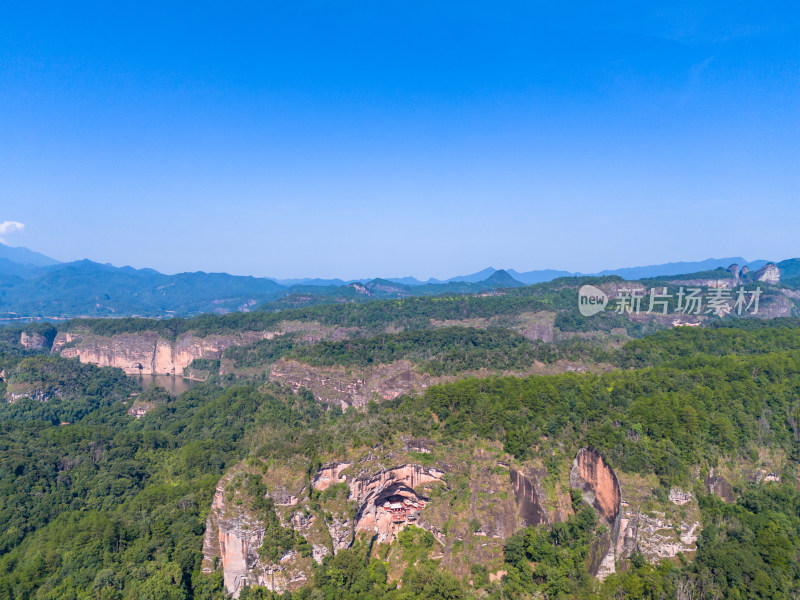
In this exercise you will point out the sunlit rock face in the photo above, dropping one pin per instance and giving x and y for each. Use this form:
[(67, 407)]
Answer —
[(234, 535), (330, 474), (32, 341), (146, 352), (769, 273), (388, 501), (597, 481), (591, 474)]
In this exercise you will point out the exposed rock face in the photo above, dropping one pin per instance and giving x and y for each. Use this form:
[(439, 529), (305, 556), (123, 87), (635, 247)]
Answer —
[(722, 283), (769, 273), (379, 495), (386, 501), (591, 474), (140, 409), (530, 497), (718, 485), (338, 387), (654, 535), (30, 392), (146, 352), (330, 474), (734, 270), (679, 496), (232, 539), (32, 341)]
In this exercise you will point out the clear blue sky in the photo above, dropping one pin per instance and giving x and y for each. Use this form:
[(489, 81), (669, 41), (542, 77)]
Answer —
[(390, 138)]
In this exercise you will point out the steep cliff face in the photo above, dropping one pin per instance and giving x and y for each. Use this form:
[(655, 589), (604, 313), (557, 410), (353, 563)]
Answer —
[(473, 506), (470, 499), (389, 500), (146, 352), (597, 481), (591, 474), (379, 504), (32, 341), (716, 484), (234, 534), (655, 534), (531, 500), (769, 273), (330, 474)]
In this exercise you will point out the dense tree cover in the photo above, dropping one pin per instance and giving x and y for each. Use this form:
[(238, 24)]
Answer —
[(405, 313), (552, 560), (686, 342), (263, 352), (446, 350), (114, 507), (662, 419), (53, 389)]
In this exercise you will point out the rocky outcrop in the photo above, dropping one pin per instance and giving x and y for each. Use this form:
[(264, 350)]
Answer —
[(140, 409), (385, 502), (734, 270), (388, 500), (530, 496), (232, 539), (655, 535), (330, 474), (40, 395), (597, 481), (32, 341), (337, 386), (719, 486), (769, 273), (146, 352)]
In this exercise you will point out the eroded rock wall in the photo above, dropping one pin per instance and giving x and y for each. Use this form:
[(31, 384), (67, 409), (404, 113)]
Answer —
[(597, 481), (32, 341), (530, 497), (146, 352), (233, 537), (377, 494)]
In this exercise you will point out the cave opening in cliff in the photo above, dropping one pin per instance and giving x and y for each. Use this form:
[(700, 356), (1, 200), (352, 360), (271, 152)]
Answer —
[(401, 502)]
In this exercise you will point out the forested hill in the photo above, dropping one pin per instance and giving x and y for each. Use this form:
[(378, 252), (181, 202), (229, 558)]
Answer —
[(698, 427)]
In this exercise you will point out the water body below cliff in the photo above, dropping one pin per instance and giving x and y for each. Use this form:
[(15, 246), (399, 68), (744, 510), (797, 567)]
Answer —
[(174, 385)]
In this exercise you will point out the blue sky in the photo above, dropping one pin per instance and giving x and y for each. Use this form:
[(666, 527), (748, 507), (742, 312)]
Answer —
[(358, 139)]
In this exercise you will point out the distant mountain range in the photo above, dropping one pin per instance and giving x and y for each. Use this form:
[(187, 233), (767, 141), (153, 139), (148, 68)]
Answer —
[(23, 256), (34, 285), (541, 276)]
